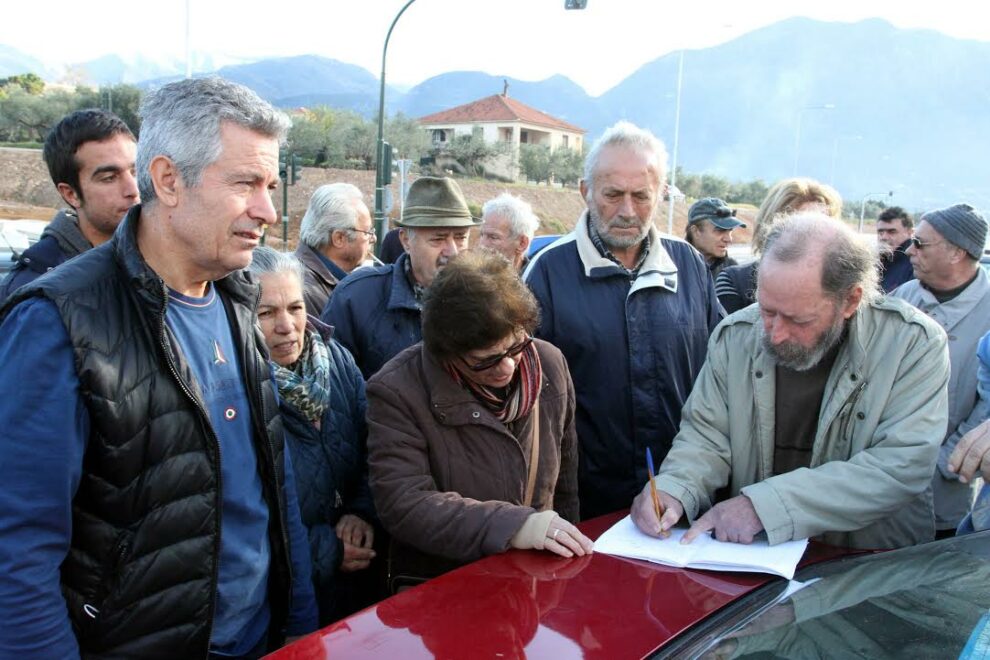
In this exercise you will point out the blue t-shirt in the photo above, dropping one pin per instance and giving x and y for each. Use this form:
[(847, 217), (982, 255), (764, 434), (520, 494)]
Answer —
[(201, 328)]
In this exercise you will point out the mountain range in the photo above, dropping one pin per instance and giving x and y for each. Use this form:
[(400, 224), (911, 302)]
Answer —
[(879, 109)]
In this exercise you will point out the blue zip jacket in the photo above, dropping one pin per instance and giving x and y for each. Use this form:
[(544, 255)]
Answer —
[(896, 269), (331, 466), (375, 315), (634, 348)]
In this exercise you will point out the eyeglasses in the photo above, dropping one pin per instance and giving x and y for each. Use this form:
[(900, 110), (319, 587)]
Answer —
[(494, 360), (371, 233), (916, 242)]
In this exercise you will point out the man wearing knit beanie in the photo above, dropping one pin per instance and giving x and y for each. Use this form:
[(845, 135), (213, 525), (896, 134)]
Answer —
[(954, 290)]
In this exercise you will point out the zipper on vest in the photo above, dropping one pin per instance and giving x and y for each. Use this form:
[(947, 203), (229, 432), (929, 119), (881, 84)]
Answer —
[(110, 577), (216, 447)]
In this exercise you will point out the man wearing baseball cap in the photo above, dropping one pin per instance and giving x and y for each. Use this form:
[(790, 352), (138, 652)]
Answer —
[(709, 230), (954, 291), (375, 312)]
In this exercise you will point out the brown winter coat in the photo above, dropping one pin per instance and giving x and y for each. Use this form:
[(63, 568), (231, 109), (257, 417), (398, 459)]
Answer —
[(449, 478)]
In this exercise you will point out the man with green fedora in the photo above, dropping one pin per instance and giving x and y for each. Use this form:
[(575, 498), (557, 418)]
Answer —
[(375, 312)]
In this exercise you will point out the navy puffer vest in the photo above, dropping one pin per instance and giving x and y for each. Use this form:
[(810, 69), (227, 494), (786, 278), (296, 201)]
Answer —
[(140, 577)]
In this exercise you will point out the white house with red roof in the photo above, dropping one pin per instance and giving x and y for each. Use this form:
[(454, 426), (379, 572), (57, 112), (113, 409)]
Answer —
[(503, 119)]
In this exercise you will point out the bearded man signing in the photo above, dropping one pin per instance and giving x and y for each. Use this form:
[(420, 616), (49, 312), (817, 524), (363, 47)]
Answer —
[(820, 409)]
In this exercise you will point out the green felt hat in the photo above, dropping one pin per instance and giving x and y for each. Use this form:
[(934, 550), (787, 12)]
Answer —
[(436, 202)]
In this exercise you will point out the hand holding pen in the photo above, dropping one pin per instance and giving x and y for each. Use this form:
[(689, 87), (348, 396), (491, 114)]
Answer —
[(654, 524)]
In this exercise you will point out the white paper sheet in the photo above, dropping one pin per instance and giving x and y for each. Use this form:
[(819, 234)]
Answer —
[(624, 539)]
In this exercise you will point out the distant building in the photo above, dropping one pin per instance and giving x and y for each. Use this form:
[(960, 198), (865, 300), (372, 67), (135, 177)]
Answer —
[(499, 118)]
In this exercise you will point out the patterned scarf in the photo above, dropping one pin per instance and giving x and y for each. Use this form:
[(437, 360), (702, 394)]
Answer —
[(306, 385), (520, 395)]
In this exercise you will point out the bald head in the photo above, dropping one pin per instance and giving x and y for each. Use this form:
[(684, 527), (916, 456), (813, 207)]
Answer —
[(843, 261)]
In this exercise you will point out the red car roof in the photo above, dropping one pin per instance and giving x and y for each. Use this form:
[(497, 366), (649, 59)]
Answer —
[(528, 603)]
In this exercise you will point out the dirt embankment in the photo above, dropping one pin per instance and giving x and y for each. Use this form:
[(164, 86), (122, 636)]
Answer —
[(26, 191)]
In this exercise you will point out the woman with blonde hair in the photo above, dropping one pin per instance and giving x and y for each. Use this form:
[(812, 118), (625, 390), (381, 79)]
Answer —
[(736, 285)]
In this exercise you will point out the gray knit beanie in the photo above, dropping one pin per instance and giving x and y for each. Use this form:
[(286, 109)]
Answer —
[(961, 225)]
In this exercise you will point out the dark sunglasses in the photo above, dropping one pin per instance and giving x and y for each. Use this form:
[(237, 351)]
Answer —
[(492, 361), (916, 242)]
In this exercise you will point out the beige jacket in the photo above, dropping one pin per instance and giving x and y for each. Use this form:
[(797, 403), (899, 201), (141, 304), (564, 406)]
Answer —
[(882, 420)]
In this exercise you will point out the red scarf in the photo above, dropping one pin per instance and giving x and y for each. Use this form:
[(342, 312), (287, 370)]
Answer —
[(522, 391)]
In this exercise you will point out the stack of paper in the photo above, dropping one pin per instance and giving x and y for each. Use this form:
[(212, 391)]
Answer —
[(624, 539)]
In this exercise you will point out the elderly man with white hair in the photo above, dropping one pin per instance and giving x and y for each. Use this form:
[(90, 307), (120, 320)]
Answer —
[(631, 310), (335, 237), (507, 227)]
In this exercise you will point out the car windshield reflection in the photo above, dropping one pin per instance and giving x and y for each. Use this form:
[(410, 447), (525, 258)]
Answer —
[(928, 601)]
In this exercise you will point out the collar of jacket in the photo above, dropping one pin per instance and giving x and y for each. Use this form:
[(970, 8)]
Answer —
[(658, 269), (316, 325), (951, 312), (64, 228), (896, 255), (240, 285), (453, 405), (402, 296), (311, 259)]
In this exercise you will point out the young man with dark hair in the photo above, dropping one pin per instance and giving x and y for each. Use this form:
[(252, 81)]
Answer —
[(894, 231), (90, 156)]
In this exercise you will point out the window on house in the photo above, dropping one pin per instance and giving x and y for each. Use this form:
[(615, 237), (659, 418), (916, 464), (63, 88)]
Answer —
[(563, 141), (439, 136), (524, 137)]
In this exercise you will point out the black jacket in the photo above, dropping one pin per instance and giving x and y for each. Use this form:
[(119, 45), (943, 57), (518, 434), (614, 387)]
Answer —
[(736, 286), (140, 577), (60, 241)]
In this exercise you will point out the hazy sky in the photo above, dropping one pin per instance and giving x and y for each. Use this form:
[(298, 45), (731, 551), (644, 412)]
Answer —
[(526, 39)]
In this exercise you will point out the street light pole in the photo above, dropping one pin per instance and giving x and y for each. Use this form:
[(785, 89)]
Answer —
[(797, 133), (677, 133), (188, 45), (381, 222), (862, 206)]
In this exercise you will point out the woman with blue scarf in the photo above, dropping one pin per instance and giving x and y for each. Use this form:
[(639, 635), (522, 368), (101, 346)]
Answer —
[(323, 405)]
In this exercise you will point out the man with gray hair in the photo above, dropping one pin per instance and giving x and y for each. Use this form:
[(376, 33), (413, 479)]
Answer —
[(336, 236), (819, 410), (954, 291), (148, 505), (507, 227), (631, 310)]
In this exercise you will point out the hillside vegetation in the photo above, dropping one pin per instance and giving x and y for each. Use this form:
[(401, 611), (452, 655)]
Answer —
[(26, 191)]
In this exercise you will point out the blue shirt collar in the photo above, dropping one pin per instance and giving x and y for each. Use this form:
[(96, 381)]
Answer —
[(334, 269)]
